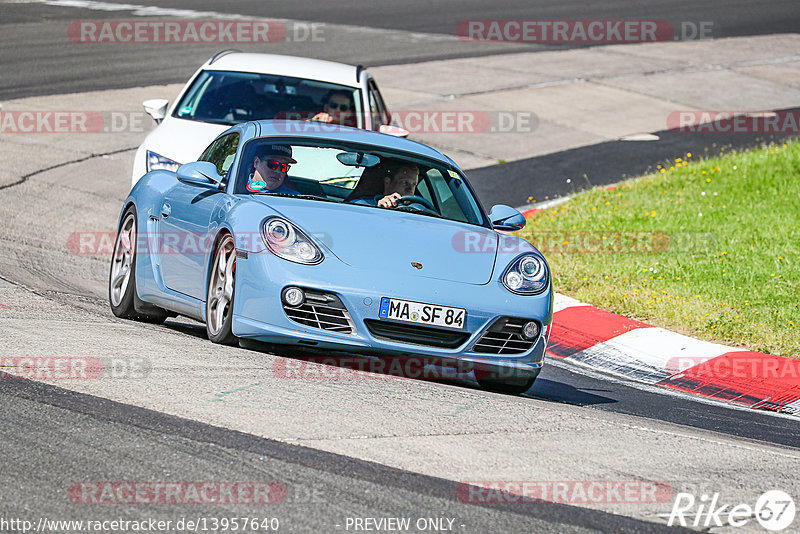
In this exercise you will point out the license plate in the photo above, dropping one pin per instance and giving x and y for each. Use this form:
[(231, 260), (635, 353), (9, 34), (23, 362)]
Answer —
[(418, 312)]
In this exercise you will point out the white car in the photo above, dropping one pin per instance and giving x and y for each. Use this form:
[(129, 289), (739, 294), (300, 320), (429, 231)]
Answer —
[(234, 87)]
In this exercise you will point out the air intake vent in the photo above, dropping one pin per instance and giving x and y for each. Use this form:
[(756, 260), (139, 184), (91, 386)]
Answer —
[(323, 311), (504, 337), (418, 335)]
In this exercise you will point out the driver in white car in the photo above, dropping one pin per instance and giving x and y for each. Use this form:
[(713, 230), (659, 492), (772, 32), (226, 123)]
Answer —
[(400, 180)]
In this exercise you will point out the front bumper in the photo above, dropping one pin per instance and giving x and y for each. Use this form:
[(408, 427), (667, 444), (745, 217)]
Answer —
[(259, 312)]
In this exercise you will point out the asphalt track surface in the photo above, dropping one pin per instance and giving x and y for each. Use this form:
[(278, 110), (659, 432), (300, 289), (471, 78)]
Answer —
[(38, 58), (569, 171), (322, 489), (51, 434)]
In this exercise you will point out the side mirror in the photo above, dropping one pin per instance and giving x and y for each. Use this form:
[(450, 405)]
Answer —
[(156, 108), (506, 218), (393, 130), (199, 173)]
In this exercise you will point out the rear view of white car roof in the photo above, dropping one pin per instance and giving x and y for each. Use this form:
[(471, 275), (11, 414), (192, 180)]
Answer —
[(297, 67)]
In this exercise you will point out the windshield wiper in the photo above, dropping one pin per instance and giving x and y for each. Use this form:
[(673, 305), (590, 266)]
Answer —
[(221, 122)]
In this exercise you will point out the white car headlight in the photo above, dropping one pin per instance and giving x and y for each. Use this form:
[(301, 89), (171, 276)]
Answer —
[(157, 162), (287, 241), (526, 275)]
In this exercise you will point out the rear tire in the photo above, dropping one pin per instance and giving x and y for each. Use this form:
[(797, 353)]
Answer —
[(219, 297), (122, 276), (504, 380)]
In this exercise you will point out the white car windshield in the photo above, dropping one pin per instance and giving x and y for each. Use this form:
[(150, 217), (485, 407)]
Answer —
[(223, 97), (356, 175)]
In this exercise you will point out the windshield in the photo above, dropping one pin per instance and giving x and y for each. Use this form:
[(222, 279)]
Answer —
[(223, 97), (331, 173)]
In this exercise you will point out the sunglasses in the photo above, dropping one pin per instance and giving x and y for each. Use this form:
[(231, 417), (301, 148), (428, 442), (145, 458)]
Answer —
[(277, 165), (337, 105)]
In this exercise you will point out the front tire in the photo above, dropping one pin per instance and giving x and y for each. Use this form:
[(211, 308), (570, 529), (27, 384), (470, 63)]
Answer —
[(122, 276), (219, 298)]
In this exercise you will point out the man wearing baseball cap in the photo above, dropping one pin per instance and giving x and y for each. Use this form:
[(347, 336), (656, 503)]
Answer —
[(270, 165)]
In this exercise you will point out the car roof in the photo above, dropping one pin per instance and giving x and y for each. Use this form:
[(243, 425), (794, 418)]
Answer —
[(316, 130), (296, 67)]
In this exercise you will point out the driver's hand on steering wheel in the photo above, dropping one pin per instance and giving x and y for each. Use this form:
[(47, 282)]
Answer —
[(389, 201)]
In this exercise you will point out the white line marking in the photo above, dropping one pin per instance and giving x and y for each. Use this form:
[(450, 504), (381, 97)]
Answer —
[(649, 354)]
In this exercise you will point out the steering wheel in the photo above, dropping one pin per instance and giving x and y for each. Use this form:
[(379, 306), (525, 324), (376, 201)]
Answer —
[(407, 200)]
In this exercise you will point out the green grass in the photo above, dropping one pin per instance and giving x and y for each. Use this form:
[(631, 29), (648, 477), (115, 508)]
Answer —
[(709, 248)]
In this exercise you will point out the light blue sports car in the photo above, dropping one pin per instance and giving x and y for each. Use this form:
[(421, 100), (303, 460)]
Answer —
[(301, 233)]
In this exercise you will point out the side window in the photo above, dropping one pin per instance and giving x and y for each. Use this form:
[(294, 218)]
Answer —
[(445, 198), (222, 153), (380, 115)]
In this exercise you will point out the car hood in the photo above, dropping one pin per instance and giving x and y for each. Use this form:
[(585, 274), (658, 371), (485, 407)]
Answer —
[(182, 140), (390, 241)]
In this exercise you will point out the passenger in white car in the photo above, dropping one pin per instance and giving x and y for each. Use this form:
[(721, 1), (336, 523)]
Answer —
[(337, 109)]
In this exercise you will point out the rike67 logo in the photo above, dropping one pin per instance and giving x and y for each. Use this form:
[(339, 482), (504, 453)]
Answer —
[(774, 510)]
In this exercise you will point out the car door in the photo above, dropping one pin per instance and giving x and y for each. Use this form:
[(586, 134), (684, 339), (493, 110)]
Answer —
[(189, 223)]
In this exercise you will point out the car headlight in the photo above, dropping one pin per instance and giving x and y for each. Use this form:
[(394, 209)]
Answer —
[(287, 241), (157, 162), (526, 275)]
